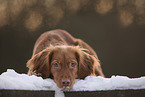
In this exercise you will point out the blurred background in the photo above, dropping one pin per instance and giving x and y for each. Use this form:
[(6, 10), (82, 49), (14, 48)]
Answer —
[(115, 29)]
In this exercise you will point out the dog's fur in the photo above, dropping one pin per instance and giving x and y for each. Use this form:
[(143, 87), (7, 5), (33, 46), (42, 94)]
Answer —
[(64, 58)]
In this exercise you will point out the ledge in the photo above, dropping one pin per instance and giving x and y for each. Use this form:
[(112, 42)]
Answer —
[(108, 93), (26, 93), (42, 93)]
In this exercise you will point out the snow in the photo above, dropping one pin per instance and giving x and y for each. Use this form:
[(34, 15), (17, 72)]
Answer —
[(16, 81), (92, 83)]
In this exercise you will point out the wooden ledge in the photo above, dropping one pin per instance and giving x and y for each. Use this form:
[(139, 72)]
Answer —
[(26, 93), (104, 93)]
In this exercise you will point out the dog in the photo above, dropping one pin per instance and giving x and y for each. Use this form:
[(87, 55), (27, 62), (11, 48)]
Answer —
[(60, 56)]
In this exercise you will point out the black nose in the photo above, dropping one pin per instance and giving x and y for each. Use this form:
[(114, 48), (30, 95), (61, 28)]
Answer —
[(65, 82)]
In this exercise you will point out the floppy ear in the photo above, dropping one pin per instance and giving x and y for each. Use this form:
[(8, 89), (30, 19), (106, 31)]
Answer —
[(85, 65), (88, 65), (39, 64)]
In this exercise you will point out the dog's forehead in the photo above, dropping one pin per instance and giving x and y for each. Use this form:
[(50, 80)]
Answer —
[(64, 52)]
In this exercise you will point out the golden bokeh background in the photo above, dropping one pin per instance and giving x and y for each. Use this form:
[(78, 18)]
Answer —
[(50, 12)]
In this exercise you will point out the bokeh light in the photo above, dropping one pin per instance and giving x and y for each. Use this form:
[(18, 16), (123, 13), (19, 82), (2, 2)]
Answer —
[(52, 11)]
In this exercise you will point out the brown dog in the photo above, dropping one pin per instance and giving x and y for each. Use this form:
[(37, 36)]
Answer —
[(64, 58)]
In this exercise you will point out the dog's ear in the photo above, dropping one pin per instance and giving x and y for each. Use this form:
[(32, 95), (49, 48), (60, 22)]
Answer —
[(88, 65), (85, 64), (39, 64)]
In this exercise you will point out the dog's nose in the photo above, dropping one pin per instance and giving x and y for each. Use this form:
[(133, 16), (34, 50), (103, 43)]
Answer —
[(65, 82)]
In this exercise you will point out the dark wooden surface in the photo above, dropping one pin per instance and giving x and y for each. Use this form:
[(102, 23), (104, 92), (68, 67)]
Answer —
[(109, 93), (26, 93)]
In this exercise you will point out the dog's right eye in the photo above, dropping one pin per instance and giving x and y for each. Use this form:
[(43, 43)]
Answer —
[(55, 64)]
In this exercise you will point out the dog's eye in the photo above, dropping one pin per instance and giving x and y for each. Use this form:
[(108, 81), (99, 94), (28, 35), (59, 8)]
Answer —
[(73, 64), (55, 65)]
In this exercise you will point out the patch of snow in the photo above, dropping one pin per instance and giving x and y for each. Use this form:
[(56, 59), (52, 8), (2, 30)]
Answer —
[(92, 83), (16, 81)]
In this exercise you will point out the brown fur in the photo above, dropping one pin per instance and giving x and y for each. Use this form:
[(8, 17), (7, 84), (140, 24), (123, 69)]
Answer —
[(54, 53)]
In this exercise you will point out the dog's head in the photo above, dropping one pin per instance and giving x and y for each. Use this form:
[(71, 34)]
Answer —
[(63, 63)]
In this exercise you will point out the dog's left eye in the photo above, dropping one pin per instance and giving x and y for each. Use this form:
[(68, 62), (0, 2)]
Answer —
[(73, 64)]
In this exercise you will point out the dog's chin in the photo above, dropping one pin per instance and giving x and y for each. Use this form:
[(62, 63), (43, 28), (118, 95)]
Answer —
[(66, 88)]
